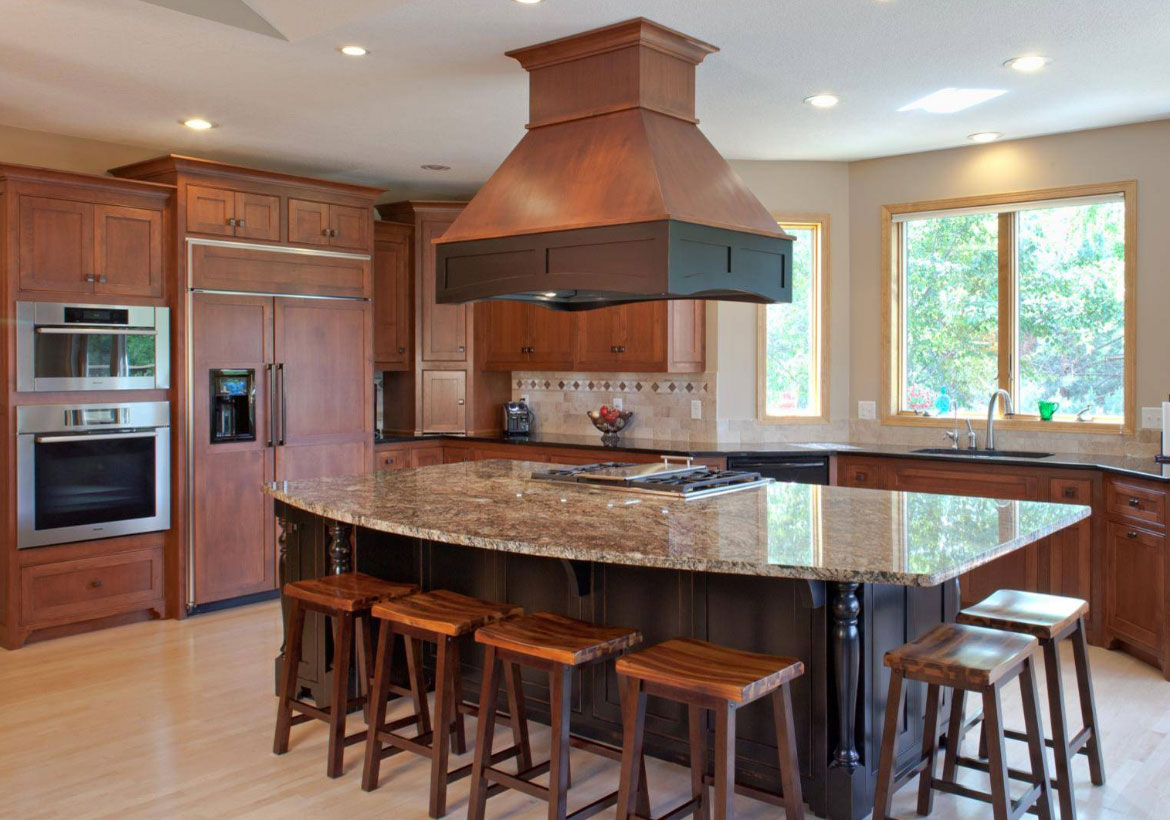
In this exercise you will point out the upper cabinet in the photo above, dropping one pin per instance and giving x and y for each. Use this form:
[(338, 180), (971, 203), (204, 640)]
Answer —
[(329, 225), (393, 348), (69, 246), (522, 336), (238, 214), (666, 337)]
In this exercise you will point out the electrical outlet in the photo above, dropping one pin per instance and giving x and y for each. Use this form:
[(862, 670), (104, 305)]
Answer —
[(617, 403), (1152, 418), (867, 410), (696, 409)]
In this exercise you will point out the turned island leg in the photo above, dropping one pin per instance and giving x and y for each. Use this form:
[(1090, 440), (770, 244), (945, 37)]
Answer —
[(845, 608), (340, 552)]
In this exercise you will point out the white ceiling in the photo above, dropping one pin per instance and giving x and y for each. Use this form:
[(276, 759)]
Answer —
[(436, 87)]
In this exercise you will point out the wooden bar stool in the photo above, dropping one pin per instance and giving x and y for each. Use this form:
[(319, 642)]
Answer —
[(707, 676), (442, 618), (1050, 619), (344, 598), (556, 645), (967, 659)]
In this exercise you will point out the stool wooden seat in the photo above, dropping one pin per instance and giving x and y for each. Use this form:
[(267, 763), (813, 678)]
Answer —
[(966, 659), (556, 645), (345, 598), (1051, 619), (708, 676), (442, 618)]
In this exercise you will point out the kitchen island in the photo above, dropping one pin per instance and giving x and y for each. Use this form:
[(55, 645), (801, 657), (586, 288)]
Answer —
[(831, 575)]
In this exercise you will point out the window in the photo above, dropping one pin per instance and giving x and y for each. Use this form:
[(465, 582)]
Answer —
[(1031, 293), (791, 356)]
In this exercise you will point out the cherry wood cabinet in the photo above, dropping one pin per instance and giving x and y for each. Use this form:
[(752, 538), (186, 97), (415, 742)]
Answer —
[(444, 327), (75, 247), (644, 336), (444, 401), (238, 214), (393, 297), (326, 224), (523, 336), (65, 592)]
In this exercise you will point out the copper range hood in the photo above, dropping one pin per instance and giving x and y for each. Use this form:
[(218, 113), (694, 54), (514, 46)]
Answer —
[(614, 195)]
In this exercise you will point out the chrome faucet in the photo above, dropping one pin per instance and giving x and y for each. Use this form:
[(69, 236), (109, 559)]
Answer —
[(989, 444)]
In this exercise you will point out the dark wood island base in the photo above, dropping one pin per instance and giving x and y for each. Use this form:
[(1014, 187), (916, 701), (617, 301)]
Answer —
[(839, 630)]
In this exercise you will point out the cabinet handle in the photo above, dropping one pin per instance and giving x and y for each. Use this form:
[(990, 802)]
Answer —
[(324, 232), (462, 402), (239, 223), (1133, 502), (232, 221), (1070, 492), (613, 349), (102, 279), (1131, 534), (89, 277), (333, 231), (621, 348), (860, 476), (95, 583), (462, 349), (402, 350)]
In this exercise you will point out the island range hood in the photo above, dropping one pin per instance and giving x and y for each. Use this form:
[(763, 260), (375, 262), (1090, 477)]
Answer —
[(614, 195)]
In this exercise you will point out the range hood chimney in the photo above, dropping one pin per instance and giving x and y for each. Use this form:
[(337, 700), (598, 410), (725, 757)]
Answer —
[(614, 195)]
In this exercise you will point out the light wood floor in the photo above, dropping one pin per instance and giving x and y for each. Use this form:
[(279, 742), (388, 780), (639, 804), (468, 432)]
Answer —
[(174, 719)]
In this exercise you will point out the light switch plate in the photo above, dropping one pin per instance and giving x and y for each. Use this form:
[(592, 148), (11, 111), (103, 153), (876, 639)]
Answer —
[(867, 410), (696, 409), (1152, 418), (617, 403)]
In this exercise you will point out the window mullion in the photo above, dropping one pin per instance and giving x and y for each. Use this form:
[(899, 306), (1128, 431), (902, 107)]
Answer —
[(1006, 256)]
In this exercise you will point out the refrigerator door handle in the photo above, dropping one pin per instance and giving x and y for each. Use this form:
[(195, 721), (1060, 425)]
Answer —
[(271, 379), (283, 404)]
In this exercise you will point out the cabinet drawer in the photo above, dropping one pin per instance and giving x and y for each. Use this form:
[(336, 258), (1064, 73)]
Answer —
[(1070, 490), (91, 587), (855, 473), (426, 456), (397, 459), (1135, 501)]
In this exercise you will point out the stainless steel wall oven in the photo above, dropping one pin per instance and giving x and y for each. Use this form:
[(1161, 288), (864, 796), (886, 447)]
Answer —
[(91, 347), (92, 471)]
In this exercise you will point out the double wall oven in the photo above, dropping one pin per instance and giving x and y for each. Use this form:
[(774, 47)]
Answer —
[(88, 471)]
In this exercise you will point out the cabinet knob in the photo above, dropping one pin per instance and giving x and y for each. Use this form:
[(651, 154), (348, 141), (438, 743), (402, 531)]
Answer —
[(89, 277), (1070, 492), (402, 350), (1131, 534), (1133, 502), (462, 402), (621, 348), (239, 223), (860, 476), (102, 279), (95, 583), (462, 349), (333, 231), (613, 349), (231, 221), (324, 232)]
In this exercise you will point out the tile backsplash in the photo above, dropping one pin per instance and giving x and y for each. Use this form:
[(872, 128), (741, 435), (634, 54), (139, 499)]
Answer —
[(661, 402)]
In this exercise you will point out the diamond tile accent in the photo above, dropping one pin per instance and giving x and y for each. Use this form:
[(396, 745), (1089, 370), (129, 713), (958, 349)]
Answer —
[(519, 382), (638, 387), (561, 385), (606, 385), (690, 387), (654, 387), (621, 385), (546, 384), (576, 385), (590, 385), (671, 387)]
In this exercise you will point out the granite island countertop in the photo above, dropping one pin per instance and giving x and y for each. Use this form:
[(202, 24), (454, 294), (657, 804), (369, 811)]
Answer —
[(783, 530)]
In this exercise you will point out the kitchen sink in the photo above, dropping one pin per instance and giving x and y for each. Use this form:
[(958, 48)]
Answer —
[(951, 451)]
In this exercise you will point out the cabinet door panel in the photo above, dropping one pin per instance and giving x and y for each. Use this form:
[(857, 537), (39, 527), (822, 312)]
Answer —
[(257, 216), (308, 222), (503, 329), (128, 251), (551, 336), (56, 245), (210, 210), (1135, 569), (392, 301), (444, 327), (643, 336), (598, 333), (687, 336), (444, 401), (350, 227), (426, 456)]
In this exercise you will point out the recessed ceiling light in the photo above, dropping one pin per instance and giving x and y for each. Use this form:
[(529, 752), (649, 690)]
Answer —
[(822, 100), (353, 51), (528, 2), (198, 124), (1027, 63), (950, 100), (985, 136), (430, 166)]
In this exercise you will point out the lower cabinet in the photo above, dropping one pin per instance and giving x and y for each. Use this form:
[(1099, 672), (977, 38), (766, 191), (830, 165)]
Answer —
[(83, 589), (1136, 608)]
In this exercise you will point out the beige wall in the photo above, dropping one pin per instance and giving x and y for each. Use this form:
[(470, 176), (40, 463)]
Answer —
[(1140, 152), (788, 188), (62, 153)]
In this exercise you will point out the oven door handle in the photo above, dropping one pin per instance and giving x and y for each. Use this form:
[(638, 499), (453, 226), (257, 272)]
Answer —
[(97, 331), (93, 437)]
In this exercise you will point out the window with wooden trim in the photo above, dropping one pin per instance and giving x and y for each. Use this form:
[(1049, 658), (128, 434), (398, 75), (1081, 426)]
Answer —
[(790, 361), (1029, 293)]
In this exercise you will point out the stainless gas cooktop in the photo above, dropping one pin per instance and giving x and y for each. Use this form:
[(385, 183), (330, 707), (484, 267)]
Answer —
[(671, 478)]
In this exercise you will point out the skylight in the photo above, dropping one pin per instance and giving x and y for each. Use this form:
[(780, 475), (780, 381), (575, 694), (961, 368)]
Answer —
[(950, 100)]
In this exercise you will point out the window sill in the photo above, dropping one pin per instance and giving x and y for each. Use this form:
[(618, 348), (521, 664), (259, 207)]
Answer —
[(1030, 424), (822, 418)]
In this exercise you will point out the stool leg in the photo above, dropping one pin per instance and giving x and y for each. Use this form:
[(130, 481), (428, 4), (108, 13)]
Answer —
[(633, 726), (560, 684), (725, 762), (459, 734), (883, 794), (1034, 725), (996, 755), (342, 649), (365, 657), (1068, 805), (514, 685), (929, 751), (786, 743), (954, 733), (418, 686), (697, 729), (441, 741), (484, 732), (1088, 704), (377, 707), (288, 680)]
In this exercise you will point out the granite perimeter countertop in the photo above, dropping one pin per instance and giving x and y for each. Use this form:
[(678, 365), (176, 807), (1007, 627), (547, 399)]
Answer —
[(1141, 467), (782, 530)]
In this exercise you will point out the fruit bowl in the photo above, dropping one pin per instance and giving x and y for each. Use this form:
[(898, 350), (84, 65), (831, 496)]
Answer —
[(610, 422)]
